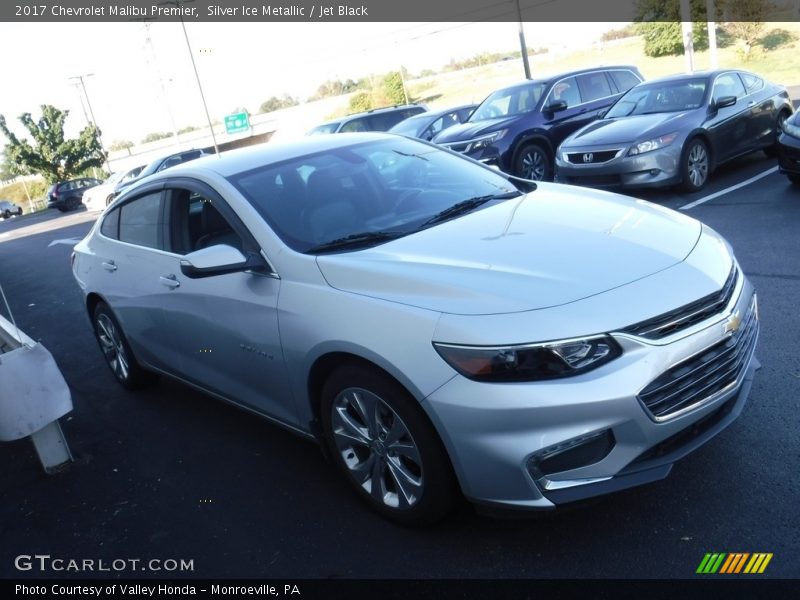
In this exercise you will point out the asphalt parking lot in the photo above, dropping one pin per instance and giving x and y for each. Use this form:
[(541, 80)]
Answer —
[(170, 473)]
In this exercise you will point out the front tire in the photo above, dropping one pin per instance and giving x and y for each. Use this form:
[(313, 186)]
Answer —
[(116, 350), (695, 165), (383, 443), (6, 214), (534, 162)]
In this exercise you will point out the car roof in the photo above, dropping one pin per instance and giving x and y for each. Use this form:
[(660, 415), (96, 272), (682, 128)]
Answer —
[(374, 111), (251, 157), (553, 77)]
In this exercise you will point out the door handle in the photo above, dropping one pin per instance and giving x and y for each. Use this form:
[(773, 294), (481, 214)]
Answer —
[(753, 103), (170, 281), (109, 266)]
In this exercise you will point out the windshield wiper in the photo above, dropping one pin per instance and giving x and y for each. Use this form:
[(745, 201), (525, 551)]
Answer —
[(466, 206), (356, 240)]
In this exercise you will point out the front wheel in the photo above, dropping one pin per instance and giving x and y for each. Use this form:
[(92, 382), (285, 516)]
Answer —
[(534, 162), (383, 443), (695, 165), (6, 214), (116, 350)]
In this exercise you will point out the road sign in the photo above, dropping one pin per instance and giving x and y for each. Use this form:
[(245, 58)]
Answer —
[(237, 123)]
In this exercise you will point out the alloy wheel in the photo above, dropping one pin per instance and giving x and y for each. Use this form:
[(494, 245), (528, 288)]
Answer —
[(377, 448), (533, 165), (113, 348), (698, 165)]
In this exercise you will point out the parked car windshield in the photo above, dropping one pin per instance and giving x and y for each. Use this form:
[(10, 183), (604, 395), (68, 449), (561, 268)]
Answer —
[(509, 101), (668, 96), (326, 128), (411, 125), (380, 188)]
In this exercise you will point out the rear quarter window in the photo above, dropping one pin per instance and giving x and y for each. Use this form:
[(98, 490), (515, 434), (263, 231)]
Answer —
[(110, 225), (624, 80)]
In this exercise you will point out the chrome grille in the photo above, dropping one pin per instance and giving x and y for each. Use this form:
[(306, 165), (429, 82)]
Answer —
[(703, 375), (688, 314), (592, 158)]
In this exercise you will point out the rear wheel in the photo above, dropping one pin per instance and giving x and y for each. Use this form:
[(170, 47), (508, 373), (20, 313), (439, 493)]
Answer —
[(383, 443), (534, 162), (695, 165), (772, 151), (116, 350)]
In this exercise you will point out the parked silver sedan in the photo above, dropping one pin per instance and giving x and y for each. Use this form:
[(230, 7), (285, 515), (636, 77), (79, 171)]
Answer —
[(676, 130), (435, 326)]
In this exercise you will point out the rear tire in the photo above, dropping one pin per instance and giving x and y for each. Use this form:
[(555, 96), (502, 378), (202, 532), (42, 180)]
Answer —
[(116, 350), (772, 151), (385, 446)]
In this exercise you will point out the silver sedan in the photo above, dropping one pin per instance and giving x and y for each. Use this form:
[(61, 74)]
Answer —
[(438, 328)]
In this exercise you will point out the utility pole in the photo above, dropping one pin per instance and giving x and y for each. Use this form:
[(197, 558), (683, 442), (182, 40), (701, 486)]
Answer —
[(178, 3), (712, 34), (522, 45), (91, 113), (688, 38)]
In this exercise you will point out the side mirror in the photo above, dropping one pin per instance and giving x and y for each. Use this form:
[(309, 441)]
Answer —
[(556, 106), (724, 101), (217, 260)]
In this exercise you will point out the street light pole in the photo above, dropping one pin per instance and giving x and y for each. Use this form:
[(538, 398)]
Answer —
[(91, 113), (522, 45), (178, 3)]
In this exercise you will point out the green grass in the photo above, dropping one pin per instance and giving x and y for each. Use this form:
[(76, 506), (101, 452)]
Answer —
[(473, 85)]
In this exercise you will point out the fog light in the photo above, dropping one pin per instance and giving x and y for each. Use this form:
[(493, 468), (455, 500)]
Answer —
[(572, 454)]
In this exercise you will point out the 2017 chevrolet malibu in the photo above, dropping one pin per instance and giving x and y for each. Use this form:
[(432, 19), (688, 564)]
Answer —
[(437, 327), (676, 130)]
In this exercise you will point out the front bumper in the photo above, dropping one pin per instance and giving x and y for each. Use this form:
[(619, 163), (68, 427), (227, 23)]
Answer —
[(501, 437), (652, 169), (788, 154)]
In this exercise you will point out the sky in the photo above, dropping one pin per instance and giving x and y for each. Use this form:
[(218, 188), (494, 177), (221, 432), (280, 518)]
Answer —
[(138, 86)]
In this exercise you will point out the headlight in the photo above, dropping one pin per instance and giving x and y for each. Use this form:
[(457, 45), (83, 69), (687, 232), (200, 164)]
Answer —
[(790, 129), (485, 140), (530, 362), (654, 144)]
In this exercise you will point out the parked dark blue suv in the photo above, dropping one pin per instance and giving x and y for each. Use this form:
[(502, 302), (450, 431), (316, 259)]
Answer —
[(518, 128)]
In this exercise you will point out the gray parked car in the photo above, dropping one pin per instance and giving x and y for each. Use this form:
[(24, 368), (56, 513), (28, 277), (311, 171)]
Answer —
[(435, 326), (427, 125), (676, 130)]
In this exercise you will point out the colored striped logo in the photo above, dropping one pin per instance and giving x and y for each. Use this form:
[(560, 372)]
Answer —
[(734, 563)]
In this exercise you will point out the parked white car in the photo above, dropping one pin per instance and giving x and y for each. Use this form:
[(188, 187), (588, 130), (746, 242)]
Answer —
[(100, 196), (434, 325)]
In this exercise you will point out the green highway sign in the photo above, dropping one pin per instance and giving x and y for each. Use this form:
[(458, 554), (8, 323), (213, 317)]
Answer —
[(237, 123)]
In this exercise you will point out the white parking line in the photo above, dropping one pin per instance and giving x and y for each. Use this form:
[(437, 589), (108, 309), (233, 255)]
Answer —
[(730, 189)]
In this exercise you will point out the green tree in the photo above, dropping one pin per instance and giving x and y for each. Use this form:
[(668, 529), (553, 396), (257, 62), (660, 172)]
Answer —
[(52, 155), (659, 24), (360, 102), (392, 88), (187, 129), (8, 169), (156, 135), (275, 103), (746, 22), (120, 145)]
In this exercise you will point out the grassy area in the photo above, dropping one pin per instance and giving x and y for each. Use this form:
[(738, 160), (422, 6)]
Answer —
[(473, 85), (16, 193)]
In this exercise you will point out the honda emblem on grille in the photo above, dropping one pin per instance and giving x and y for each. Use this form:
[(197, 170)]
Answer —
[(588, 157), (733, 323)]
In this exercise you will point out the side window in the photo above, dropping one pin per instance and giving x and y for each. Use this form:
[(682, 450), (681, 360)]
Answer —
[(567, 90), (353, 126), (110, 225), (728, 84), (751, 82), (196, 223), (594, 86), (170, 162), (624, 80), (140, 221)]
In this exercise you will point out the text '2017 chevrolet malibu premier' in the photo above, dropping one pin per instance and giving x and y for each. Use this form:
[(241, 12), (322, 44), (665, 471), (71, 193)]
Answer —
[(437, 327)]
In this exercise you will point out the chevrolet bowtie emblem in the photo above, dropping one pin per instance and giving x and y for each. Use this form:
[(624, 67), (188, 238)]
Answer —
[(733, 323)]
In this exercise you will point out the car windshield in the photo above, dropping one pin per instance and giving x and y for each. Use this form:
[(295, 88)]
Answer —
[(668, 96), (410, 126), (325, 128), (509, 101), (367, 193)]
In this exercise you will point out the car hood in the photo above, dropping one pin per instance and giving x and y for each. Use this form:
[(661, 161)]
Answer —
[(626, 130), (553, 246), (467, 131)]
